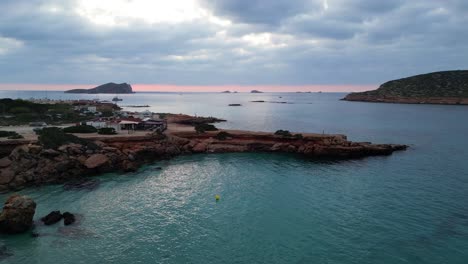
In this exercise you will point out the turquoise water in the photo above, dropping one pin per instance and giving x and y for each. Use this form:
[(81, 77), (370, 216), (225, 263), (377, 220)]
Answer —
[(411, 207)]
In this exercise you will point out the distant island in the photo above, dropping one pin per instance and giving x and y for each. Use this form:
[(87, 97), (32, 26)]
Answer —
[(445, 87), (108, 88), (256, 91), (226, 92)]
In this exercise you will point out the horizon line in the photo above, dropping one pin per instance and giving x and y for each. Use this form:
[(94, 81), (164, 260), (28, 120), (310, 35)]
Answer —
[(198, 88)]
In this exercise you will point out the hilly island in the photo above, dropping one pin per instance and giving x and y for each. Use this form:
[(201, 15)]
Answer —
[(445, 87), (110, 88)]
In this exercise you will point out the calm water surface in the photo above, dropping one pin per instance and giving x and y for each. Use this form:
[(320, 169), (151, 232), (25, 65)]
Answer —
[(411, 207)]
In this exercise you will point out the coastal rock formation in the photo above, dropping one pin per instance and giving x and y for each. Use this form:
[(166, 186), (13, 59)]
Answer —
[(109, 88), (32, 164), (52, 218), (448, 87), (96, 161), (68, 218), (17, 215)]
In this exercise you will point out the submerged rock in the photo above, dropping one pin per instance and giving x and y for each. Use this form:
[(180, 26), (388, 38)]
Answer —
[(4, 252), (52, 218), (68, 218), (17, 215), (82, 184)]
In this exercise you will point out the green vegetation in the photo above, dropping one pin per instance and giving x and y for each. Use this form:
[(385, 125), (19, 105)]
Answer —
[(18, 112), (107, 131), (54, 137), (287, 134), (85, 129), (10, 135), (298, 136), (436, 84), (283, 133), (222, 135), (202, 128)]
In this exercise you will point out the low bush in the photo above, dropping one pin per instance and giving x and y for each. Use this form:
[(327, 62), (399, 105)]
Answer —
[(54, 137), (80, 129), (298, 136), (107, 131), (7, 133), (202, 128), (16, 136), (222, 135), (10, 135), (283, 133)]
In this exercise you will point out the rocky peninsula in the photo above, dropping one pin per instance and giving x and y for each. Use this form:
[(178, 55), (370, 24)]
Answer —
[(108, 88), (447, 87), (29, 163)]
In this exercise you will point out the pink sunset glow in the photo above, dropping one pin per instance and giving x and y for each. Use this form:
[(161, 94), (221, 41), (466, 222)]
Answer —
[(200, 88)]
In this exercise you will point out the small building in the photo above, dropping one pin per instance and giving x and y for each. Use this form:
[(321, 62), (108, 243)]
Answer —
[(97, 124), (128, 124), (153, 124)]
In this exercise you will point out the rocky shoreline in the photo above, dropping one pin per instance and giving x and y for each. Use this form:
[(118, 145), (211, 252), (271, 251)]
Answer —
[(357, 97), (30, 164)]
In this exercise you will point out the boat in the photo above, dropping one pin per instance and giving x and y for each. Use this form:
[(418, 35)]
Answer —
[(116, 99)]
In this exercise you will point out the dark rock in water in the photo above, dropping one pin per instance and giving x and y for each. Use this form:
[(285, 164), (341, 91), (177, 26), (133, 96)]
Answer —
[(4, 252), (17, 215), (52, 218), (158, 168), (34, 234), (82, 184), (68, 218), (235, 105)]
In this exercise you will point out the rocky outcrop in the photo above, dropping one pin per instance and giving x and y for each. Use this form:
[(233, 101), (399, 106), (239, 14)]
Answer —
[(17, 215), (96, 161), (447, 87), (109, 88), (29, 165), (52, 218), (68, 218)]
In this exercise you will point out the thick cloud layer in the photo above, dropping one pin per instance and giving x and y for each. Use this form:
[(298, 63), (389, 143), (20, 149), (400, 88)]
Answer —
[(204, 42)]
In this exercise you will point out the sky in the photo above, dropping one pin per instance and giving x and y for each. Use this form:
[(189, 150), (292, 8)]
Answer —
[(215, 45)]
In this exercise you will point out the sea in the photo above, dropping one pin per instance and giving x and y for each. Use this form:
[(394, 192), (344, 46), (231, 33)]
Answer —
[(410, 207)]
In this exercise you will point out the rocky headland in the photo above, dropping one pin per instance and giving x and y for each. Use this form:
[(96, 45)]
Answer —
[(108, 88), (29, 163), (447, 87)]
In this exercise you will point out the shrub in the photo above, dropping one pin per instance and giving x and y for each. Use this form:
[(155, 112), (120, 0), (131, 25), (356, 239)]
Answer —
[(80, 129), (298, 136), (107, 131), (54, 137), (222, 135), (107, 113), (10, 135), (7, 133), (16, 136), (202, 128), (283, 133)]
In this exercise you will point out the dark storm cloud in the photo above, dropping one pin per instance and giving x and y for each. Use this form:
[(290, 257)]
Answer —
[(267, 42)]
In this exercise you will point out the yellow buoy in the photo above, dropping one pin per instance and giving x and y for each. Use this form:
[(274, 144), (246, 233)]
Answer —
[(217, 197)]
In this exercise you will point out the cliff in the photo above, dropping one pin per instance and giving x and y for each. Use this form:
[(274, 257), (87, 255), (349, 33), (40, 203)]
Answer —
[(109, 88), (447, 87), (31, 164)]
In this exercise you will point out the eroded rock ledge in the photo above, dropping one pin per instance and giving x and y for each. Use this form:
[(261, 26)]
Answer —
[(30, 164)]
